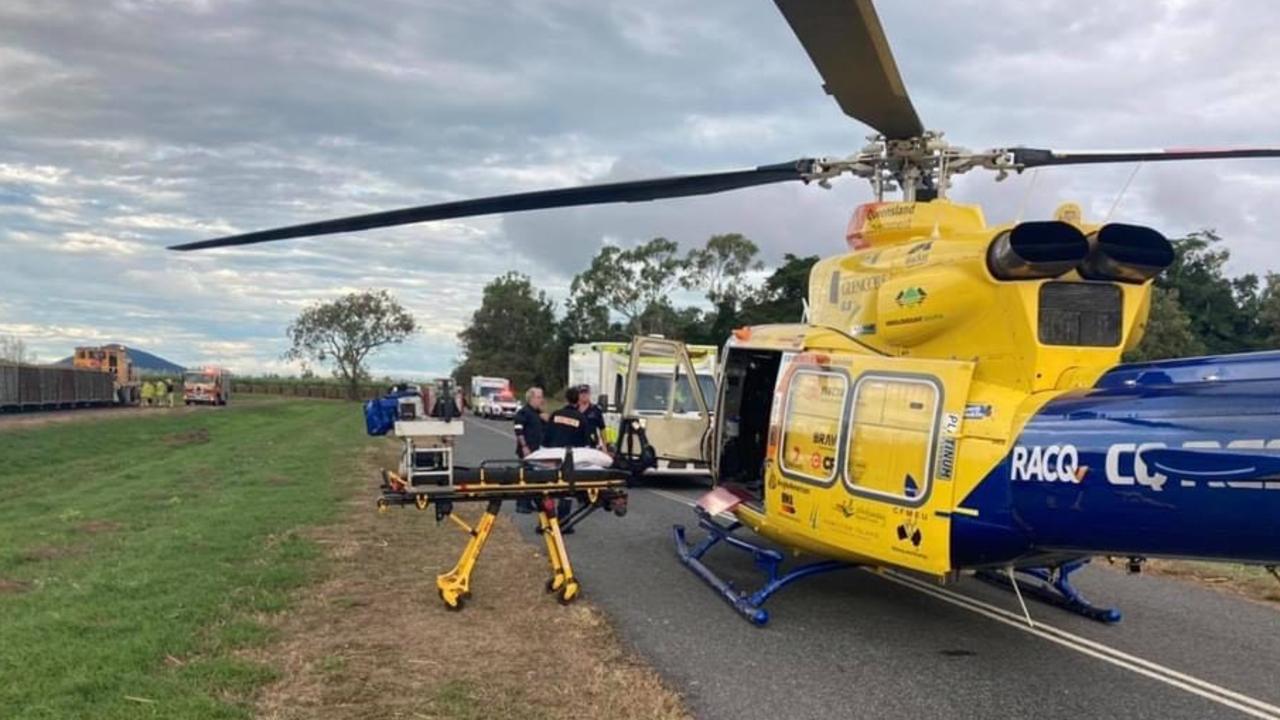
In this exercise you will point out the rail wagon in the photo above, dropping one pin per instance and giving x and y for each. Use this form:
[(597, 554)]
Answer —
[(34, 387)]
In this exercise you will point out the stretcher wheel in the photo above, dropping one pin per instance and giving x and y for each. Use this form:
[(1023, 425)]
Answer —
[(461, 600), (569, 592)]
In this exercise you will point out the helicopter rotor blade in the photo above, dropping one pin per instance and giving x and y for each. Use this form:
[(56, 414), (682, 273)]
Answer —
[(616, 192), (1037, 157), (847, 44)]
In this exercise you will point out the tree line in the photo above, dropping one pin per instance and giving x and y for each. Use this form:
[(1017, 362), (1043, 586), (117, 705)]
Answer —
[(517, 332), (1197, 309)]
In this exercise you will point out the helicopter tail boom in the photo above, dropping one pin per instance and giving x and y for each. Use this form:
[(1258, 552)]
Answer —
[(1172, 459)]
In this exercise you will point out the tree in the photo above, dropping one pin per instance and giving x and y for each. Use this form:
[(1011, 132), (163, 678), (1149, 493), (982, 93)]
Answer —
[(720, 268), (629, 282), (511, 335), (782, 298), (1222, 311), (13, 349), (1168, 333), (1269, 312), (345, 331)]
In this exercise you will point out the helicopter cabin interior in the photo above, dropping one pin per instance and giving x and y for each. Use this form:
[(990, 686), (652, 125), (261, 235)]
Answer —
[(747, 386)]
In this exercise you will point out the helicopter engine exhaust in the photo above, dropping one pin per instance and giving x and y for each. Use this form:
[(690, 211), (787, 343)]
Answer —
[(1126, 253), (1034, 250)]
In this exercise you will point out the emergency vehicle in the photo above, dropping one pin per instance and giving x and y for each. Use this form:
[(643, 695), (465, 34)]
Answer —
[(662, 394), (209, 385), (485, 388)]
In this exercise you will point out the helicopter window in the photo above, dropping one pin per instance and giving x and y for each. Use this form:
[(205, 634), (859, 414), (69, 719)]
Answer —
[(1082, 314), (812, 420), (895, 420)]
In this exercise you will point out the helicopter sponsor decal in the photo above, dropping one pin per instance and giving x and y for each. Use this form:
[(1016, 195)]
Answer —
[(868, 329), (853, 510), (977, 411), (788, 503), (1154, 465), (825, 439), (951, 424), (946, 458), (863, 284), (919, 253), (909, 532), (910, 488), (819, 461), (913, 319), (881, 213), (795, 487), (1140, 474), (1055, 463), (911, 296)]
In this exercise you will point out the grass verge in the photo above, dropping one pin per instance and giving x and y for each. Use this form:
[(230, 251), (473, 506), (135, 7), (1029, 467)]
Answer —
[(1249, 581), (227, 563), (140, 556)]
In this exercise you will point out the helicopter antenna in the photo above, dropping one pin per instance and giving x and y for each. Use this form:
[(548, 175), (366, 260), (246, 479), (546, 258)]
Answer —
[(1026, 197), (1013, 580), (1123, 189)]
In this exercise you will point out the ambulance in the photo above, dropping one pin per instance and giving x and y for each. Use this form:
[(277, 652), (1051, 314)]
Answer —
[(649, 380)]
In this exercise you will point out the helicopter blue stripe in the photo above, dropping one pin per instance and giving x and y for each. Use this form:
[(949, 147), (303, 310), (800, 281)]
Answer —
[(1213, 368), (1137, 466)]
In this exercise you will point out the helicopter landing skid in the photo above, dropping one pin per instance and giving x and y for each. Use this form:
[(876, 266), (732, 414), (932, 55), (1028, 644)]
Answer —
[(767, 560), (1052, 585)]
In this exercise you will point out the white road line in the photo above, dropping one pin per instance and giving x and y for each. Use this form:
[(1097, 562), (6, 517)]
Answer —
[(1196, 686)]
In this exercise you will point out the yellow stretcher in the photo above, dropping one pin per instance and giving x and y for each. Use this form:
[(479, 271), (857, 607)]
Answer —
[(493, 483)]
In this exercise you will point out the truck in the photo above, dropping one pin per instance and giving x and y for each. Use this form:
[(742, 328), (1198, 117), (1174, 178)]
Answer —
[(483, 389), (206, 386), (114, 360), (668, 385)]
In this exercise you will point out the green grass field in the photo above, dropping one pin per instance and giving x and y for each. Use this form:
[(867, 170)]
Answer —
[(138, 554)]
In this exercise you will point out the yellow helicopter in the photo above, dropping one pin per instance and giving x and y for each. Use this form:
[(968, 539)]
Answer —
[(954, 399)]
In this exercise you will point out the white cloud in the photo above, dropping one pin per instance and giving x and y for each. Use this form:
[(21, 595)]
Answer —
[(129, 126)]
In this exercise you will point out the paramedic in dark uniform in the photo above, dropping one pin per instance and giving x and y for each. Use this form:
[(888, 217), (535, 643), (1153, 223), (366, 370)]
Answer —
[(594, 416), (528, 423), (567, 428), (529, 429)]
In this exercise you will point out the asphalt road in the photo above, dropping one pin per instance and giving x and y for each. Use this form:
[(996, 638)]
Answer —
[(856, 644)]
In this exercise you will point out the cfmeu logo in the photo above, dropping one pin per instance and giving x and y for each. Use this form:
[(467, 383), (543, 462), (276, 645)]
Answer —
[(1055, 463)]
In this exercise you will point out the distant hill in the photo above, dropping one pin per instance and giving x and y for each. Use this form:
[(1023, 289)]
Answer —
[(146, 363)]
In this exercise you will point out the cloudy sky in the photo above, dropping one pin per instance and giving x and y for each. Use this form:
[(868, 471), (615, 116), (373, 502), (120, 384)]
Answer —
[(128, 125)]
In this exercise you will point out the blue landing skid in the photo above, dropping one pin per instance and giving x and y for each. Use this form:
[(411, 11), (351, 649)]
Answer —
[(767, 560), (1052, 585)]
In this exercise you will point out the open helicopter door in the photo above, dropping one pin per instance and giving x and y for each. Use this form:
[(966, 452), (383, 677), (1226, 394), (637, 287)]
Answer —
[(863, 456), (662, 389)]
